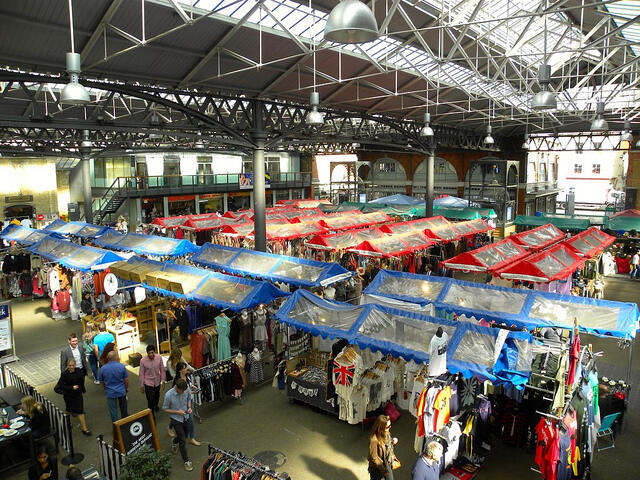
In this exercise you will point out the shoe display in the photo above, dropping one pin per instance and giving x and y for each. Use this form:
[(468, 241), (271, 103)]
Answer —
[(188, 466)]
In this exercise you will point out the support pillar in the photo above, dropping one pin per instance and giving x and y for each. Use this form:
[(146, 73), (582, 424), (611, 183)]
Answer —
[(87, 196), (259, 219), (429, 186)]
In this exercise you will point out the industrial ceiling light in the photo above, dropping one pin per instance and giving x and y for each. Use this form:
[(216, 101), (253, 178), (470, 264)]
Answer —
[(426, 131), (599, 124), (488, 140), (525, 144), (73, 92), (351, 21), (627, 135), (314, 118), (544, 99)]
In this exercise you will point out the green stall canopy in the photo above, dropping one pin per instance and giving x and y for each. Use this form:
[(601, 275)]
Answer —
[(560, 221), (622, 223)]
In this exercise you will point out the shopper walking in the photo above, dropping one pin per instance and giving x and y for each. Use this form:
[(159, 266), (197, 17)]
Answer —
[(114, 378), (45, 467), (151, 377), (427, 467), (182, 372), (381, 449), (89, 351), (177, 403), (72, 351), (71, 384), (634, 271), (102, 338)]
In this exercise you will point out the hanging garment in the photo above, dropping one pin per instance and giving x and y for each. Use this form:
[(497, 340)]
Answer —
[(197, 359), (64, 300), (259, 325), (224, 346), (438, 355), (256, 373)]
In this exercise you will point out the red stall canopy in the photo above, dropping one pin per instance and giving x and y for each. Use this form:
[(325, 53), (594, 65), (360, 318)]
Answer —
[(353, 220), (539, 237), (276, 231), (554, 263), (417, 225), (344, 240), (394, 245), (212, 223), (304, 202), (590, 242), (487, 258)]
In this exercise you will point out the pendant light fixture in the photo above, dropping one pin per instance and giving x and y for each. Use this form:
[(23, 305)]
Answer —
[(426, 131), (351, 21), (627, 135), (525, 144), (314, 118), (599, 124), (488, 140), (544, 99), (73, 92)]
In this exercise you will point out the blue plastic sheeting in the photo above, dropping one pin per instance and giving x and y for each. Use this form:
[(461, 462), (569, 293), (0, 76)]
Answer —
[(398, 199), (523, 308), (146, 244), (72, 255), (213, 288), (402, 333), (77, 229), (277, 268), (24, 235)]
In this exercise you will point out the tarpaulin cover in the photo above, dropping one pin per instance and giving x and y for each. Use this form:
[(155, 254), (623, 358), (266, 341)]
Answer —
[(25, 235), (77, 229), (204, 286), (72, 255), (487, 258), (590, 242), (304, 202), (170, 222), (472, 350), (394, 245), (276, 268), (539, 237), (554, 263), (622, 224), (344, 240), (467, 213), (358, 220), (211, 223), (276, 231), (522, 308), (397, 199), (451, 201), (568, 222), (147, 244), (630, 212)]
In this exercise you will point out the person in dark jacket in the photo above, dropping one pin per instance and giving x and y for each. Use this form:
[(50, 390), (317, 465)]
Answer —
[(45, 467), (37, 417), (72, 384), (381, 450)]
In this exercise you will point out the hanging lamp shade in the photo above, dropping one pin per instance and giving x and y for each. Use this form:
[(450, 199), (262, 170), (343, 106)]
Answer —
[(489, 138), (627, 135), (525, 144), (426, 131), (314, 118), (73, 92), (351, 21), (544, 99), (599, 124)]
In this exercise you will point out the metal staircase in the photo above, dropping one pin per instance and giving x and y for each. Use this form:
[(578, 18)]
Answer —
[(111, 201)]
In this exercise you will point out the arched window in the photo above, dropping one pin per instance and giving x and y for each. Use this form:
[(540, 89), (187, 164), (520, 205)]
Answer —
[(445, 179), (387, 177)]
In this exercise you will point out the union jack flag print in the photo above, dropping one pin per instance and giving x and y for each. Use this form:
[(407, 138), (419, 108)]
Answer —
[(343, 374)]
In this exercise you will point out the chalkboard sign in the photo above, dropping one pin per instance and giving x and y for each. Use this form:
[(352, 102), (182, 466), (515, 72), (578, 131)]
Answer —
[(135, 431)]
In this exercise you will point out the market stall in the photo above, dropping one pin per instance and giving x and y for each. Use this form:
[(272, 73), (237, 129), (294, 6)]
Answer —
[(25, 235), (275, 268), (563, 222), (590, 243), (558, 262), (522, 308), (305, 203), (487, 258), (348, 221), (74, 256), (539, 238), (397, 245), (152, 245), (77, 229)]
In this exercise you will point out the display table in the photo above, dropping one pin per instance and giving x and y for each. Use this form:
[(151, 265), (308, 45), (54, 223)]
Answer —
[(126, 339), (310, 387), (12, 448)]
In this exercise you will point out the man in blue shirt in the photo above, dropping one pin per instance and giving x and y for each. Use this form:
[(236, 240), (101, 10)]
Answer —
[(177, 403), (427, 467), (114, 378), (101, 339)]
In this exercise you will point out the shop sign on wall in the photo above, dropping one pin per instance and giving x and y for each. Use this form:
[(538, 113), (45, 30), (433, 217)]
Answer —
[(246, 180)]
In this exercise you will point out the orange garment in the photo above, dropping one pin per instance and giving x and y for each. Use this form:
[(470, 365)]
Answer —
[(442, 408)]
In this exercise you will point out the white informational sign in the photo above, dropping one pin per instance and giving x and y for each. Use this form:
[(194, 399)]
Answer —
[(6, 336)]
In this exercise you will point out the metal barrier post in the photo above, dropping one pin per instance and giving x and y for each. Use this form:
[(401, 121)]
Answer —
[(73, 458)]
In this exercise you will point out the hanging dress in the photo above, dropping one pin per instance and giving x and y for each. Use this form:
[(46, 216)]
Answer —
[(224, 346)]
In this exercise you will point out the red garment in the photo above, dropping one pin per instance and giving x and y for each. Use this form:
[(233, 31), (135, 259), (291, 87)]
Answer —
[(573, 359), (64, 300), (197, 359), (570, 421), (623, 264), (179, 234), (547, 449)]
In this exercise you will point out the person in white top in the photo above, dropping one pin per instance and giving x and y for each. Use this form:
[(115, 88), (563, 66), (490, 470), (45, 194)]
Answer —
[(635, 270), (438, 353)]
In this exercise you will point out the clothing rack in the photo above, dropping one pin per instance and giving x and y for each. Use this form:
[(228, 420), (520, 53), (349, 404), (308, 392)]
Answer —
[(251, 463)]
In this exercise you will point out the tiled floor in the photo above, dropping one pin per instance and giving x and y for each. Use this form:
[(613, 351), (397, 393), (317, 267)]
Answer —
[(39, 368)]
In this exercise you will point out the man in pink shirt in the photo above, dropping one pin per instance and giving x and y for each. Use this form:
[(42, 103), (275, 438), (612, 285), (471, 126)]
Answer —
[(152, 377)]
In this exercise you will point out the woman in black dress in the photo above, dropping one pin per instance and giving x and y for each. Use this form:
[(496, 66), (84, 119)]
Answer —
[(72, 384)]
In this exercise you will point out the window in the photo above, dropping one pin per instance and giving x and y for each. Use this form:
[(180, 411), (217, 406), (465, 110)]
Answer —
[(543, 172), (577, 168), (387, 167), (595, 168)]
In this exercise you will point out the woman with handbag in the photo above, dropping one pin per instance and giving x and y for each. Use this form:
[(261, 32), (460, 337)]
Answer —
[(71, 387), (382, 461)]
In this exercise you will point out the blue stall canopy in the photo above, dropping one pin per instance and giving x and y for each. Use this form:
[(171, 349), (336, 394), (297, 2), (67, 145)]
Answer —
[(193, 283), (24, 235), (146, 244), (77, 229), (523, 308), (74, 256), (277, 268), (501, 356)]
